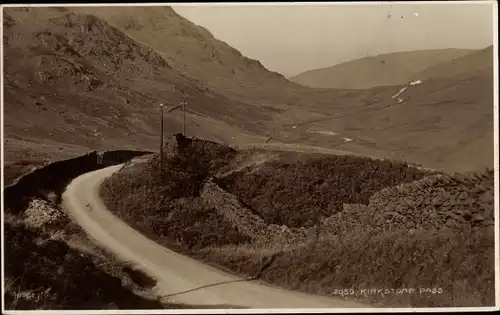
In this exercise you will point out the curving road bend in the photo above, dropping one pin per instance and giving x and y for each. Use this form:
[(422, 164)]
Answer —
[(174, 272)]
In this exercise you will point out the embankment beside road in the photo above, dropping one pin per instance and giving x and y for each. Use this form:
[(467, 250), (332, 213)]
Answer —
[(55, 176)]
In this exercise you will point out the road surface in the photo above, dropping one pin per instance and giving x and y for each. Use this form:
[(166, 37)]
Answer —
[(174, 272)]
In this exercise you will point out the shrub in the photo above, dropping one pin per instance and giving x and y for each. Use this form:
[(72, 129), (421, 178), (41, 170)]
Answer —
[(299, 194)]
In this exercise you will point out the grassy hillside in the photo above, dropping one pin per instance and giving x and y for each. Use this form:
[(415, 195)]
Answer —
[(474, 62), (420, 127), (382, 70), (73, 82), (192, 49)]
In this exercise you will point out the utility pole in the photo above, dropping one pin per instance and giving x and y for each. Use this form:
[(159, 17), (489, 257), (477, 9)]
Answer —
[(184, 118), (161, 140), (174, 108), (183, 104)]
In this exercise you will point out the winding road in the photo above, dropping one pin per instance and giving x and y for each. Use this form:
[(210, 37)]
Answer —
[(176, 275)]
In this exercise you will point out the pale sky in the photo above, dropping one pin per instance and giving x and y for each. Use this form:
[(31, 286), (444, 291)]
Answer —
[(294, 38)]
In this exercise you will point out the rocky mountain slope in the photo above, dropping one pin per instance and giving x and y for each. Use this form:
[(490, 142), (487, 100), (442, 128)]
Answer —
[(192, 49), (73, 82)]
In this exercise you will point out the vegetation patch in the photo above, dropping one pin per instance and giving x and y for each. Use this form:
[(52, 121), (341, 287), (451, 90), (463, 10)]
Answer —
[(297, 194), (319, 223), (54, 275)]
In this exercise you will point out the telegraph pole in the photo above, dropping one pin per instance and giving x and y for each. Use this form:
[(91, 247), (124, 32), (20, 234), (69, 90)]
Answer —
[(184, 118), (183, 104), (161, 140)]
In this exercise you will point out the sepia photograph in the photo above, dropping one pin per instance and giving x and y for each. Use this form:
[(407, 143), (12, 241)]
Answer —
[(250, 157)]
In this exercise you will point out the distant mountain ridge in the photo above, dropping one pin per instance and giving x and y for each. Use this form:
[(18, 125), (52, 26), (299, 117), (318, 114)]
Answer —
[(474, 62), (381, 70)]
